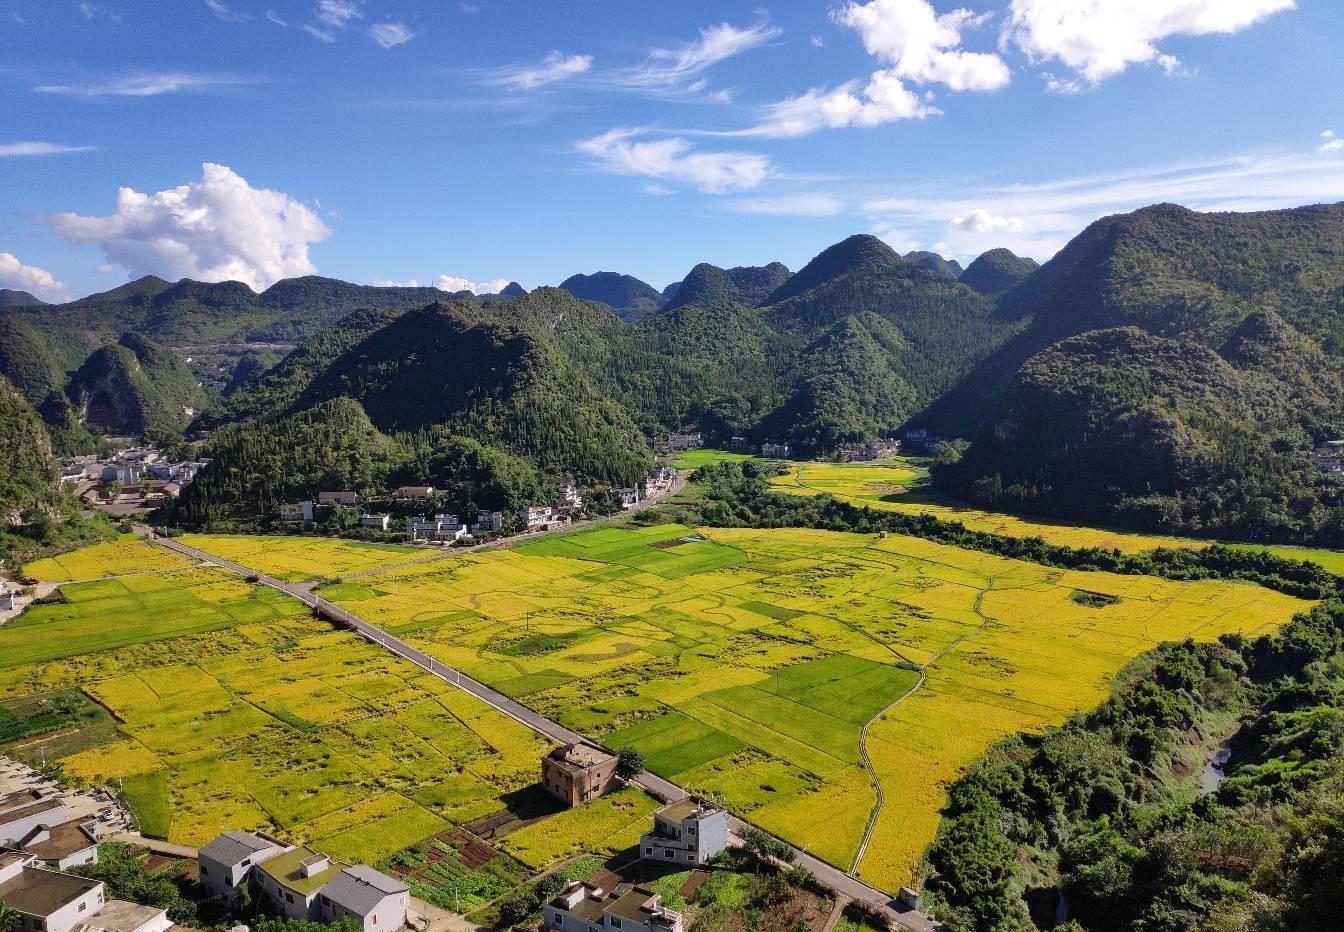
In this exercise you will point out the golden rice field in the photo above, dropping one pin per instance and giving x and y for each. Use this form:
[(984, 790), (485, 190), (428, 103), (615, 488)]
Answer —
[(745, 663), (301, 559), (128, 554), (239, 710)]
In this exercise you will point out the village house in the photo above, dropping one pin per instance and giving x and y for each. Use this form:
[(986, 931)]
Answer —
[(626, 498), (536, 516), (296, 513), (345, 497), (739, 445), (46, 901), (122, 916), (661, 479), (440, 529), (372, 899), (63, 846), (488, 522), (775, 451), (9, 598), (125, 473), (226, 863), (582, 907), (375, 522), (25, 810), (689, 831), (568, 496), (577, 773), (292, 879), (413, 493), (676, 443)]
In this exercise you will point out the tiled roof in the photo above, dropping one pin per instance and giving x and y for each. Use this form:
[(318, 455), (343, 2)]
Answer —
[(235, 847), (360, 889)]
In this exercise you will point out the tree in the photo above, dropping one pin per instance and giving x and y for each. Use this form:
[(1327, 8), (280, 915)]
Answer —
[(10, 919), (766, 849), (630, 763)]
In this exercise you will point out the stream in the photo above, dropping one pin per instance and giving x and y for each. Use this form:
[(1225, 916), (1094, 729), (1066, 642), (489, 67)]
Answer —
[(1212, 774)]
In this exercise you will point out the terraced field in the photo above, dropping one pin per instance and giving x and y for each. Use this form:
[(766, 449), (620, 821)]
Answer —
[(237, 709), (746, 663), (301, 559)]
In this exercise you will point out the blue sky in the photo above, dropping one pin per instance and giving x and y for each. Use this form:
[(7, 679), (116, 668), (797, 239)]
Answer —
[(471, 142)]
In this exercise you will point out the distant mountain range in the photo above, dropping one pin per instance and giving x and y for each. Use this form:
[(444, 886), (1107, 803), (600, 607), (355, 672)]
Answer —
[(1167, 369)]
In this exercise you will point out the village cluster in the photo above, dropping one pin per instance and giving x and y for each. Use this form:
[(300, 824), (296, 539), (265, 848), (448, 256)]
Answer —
[(130, 478), (382, 514), (40, 843)]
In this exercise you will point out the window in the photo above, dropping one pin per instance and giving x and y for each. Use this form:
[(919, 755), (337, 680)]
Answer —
[(615, 923), (668, 854), (246, 862), (648, 851), (289, 898), (690, 830), (325, 901), (557, 919), (82, 907), (204, 872)]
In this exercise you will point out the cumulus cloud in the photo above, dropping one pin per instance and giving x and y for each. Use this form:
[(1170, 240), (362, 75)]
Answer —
[(217, 229), (982, 221), (1329, 142), (883, 99), (919, 45), (389, 35), (621, 152), (556, 66), (1101, 38), (14, 274), (143, 84), (453, 283), (913, 43), (40, 148)]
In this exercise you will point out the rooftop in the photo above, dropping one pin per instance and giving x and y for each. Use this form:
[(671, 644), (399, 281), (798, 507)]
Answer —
[(62, 841), (8, 816), (120, 916), (360, 889), (287, 869), (580, 755), (235, 847), (40, 892), (684, 809)]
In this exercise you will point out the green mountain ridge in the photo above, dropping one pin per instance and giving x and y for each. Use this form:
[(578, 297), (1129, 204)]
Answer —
[(709, 286)]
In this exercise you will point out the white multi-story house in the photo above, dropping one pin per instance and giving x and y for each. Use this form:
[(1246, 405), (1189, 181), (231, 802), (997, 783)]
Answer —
[(292, 880), (374, 900), (226, 863), (775, 451), (535, 516), (376, 522), (690, 831), (488, 522), (568, 495), (441, 528), (581, 907), (46, 901), (25, 810)]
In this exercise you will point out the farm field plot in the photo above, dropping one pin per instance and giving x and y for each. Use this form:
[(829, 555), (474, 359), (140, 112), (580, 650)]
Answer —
[(694, 459), (745, 663), (127, 554), (301, 559), (237, 709)]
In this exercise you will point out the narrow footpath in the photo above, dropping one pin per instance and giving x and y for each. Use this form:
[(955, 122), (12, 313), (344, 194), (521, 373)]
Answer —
[(837, 880)]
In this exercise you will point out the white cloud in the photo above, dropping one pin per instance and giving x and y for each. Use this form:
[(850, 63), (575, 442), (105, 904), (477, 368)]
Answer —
[(337, 12), (919, 45), (453, 283), (818, 42), (681, 68), (145, 84), (276, 18), (14, 274), (227, 13), (1044, 215), (318, 32), (674, 159), (40, 148), (658, 190), (982, 221), (1101, 38), (787, 205), (1329, 142), (556, 66), (883, 99), (94, 11), (217, 229), (389, 35)]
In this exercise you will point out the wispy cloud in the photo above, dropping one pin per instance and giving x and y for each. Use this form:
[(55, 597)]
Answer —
[(40, 148), (149, 84), (622, 152), (1038, 218), (680, 69), (787, 205), (337, 13), (92, 11), (226, 13), (557, 66), (276, 18), (390, 35)]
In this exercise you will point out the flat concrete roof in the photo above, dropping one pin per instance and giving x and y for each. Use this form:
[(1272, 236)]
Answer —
[(40, 892), (287, 868)]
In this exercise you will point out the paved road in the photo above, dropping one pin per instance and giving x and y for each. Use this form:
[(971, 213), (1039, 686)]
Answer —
[(829, 875)]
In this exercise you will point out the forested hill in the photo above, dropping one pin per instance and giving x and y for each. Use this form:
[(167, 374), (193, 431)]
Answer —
[(629, 297), (200, 312), (11, 298), (1173, 272), (710, 286)]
